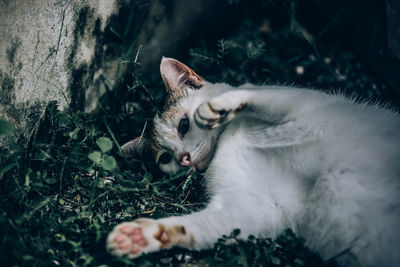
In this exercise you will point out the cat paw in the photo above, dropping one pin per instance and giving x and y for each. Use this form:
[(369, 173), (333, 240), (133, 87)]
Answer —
[(133, 239), (217, 111)]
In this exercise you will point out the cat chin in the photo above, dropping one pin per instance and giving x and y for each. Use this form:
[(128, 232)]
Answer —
[(201, 166), (198, 168)]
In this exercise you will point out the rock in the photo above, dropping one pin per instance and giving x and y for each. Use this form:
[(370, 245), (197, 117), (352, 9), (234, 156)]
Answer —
[(52, 51)]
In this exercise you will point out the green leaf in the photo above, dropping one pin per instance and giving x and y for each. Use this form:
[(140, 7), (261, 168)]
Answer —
[(104, 143), (187, 183), (27, 180), (6, 128), (60, 237), (109, 163), (28, 257), (95, 157), (74, 133)]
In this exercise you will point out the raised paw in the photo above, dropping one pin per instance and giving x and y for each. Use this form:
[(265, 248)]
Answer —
[(213, 113)]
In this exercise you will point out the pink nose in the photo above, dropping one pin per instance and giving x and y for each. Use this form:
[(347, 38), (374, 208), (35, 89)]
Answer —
[(185, 159)]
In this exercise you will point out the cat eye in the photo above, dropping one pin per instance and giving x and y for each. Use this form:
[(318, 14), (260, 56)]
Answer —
[(165, 158), (183, 126)]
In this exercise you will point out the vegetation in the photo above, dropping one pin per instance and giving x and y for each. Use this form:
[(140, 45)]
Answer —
[(64, 189)]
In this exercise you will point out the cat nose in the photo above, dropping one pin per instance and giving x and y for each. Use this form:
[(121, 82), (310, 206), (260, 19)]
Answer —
[(185, 159)]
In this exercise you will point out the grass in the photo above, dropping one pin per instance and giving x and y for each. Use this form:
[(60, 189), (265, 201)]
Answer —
[(64, 189)]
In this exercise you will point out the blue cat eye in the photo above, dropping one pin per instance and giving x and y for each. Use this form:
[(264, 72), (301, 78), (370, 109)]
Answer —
[(183, 126)]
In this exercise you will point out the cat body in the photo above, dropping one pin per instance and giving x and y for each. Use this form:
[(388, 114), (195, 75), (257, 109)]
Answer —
[(275, 158)]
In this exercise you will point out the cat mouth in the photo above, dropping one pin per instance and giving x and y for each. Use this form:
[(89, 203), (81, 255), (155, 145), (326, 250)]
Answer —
[(203, 155)]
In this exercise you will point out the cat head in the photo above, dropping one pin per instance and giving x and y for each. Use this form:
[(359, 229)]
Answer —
[(176, 141)]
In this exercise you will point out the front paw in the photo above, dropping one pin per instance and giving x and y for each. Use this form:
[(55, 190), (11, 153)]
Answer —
[(217, 111), (132, 239)]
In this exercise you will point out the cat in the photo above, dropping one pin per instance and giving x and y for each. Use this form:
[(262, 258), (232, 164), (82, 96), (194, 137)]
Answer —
[(273, 158)]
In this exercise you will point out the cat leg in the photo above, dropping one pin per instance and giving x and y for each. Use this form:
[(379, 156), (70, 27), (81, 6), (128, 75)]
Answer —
[(133, 239), (199, 230), (275, 106)]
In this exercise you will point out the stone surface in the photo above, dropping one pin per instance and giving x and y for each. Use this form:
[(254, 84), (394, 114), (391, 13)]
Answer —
[(49, 52)]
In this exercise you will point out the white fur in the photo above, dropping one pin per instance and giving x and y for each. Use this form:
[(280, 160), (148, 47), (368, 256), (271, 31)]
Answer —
[(320, 164)]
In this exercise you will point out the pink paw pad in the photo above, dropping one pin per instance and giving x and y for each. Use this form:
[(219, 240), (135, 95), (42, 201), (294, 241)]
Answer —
[(138, 240), (135, 249), (164, 238), (130, 239), (119, 238), (126, 229)]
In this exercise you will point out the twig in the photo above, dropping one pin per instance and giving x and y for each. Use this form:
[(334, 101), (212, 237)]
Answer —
[(187, 194), (144, 128), (149, 211)]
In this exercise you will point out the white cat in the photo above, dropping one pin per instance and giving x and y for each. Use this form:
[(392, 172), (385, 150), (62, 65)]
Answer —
[(275, 158)]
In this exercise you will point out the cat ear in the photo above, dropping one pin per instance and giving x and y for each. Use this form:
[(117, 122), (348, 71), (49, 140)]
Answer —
[(177, 75), (136, 148)]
